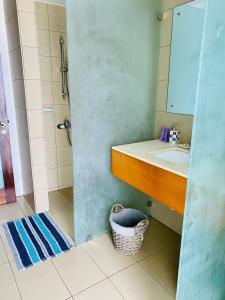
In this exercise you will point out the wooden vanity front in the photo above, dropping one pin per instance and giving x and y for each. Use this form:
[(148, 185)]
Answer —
[(160, 184)]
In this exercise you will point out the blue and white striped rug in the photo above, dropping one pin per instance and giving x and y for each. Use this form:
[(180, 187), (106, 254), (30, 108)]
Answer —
[(34, 239)]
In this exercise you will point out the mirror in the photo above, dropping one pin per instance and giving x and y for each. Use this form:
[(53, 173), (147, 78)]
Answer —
[(187, 33)]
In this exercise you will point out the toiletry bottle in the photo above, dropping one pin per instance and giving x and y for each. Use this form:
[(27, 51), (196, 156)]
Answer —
[(164, 135), (174, 136)]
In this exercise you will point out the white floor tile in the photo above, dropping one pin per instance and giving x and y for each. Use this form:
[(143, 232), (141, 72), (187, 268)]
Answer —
[(161, 234), (163, 266), (60, 204), (136, 284), (101, 291), (65, 219), (101, 249), (8, 288), (3, 257), (9, 212), (78, 270), (40, 282), (61, 208), (149, 247), (25, 207)]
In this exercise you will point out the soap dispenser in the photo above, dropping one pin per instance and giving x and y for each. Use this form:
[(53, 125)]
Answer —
[(174, 136)]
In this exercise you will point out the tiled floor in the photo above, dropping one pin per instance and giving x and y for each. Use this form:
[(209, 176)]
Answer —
[(94, 270), (61, 207)]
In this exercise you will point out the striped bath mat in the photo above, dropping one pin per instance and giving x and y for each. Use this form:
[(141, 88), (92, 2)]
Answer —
[(34, 239)]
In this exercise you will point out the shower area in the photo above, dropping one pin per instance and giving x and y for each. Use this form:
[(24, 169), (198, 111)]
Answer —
[(52, 50)]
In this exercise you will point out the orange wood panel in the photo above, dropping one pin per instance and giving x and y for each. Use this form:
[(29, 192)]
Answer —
[(163, 186)]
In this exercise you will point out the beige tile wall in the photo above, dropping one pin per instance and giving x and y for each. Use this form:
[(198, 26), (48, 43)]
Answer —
[(51, 23), (30, 73), (163, 118), (13, 40)]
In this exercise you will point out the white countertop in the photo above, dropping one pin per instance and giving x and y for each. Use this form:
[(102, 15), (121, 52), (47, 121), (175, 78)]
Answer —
[(145, 150)]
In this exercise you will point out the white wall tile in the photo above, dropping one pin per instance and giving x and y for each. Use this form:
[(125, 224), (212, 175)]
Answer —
[(27, 24), (166, 28), (51, 158), (35, 123), (41, 200), (56, 65), (40, 177), (42, 15), (162, 95), (26, 5), (47, 93), (61, 138), (164, 60), (37, 148), (43, 42), (61, 113), (57, 94), (31, 63), (65, 176), (57, 18), (33, 94), (64, 156), (45, 68), (49, 119), (50, 137), (53, 179)]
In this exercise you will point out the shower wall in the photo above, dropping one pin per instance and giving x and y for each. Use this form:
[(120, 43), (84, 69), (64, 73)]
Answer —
[(51, 24)]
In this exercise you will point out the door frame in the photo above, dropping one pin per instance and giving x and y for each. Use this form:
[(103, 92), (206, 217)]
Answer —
[(8, 194)]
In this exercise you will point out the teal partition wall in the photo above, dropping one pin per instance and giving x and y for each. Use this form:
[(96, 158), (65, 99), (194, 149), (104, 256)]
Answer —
[(202, 267), (113, 62)]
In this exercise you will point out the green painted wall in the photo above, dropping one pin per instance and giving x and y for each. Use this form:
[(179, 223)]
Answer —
[(113, 61), (202, 268)]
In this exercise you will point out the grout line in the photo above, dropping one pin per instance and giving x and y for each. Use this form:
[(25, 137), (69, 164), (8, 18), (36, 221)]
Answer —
[(108, 276), (61, 278), (24, 199), (117, 288), (15, 280), (4, 263), (152, 275), (157, 280), (94, 261), (85, 289)]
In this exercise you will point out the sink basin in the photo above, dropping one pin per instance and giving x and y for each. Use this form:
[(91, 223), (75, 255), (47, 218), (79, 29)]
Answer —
[(174, 156)]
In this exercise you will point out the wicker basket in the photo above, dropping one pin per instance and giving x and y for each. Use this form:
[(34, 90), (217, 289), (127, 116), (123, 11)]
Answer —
[(128, 227)]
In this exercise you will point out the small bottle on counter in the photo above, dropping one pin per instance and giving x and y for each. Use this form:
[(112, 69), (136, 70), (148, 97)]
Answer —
[(174, 136), (164, 135)]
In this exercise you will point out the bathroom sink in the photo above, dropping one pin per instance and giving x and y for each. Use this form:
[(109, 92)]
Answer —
[(174, 156)]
